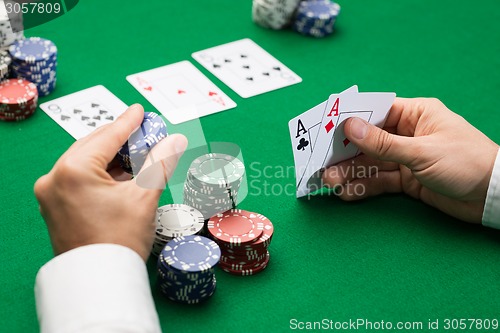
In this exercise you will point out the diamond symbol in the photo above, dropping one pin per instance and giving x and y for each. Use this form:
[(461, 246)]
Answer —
[(346, 142), (329, 126)]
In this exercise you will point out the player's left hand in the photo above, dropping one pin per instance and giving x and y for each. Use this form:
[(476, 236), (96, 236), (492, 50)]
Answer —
[(86, 199)]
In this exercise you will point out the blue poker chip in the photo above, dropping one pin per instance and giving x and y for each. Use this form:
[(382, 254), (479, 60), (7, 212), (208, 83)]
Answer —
[(191, 253), (134, 152), (316, 17), (33, 50)]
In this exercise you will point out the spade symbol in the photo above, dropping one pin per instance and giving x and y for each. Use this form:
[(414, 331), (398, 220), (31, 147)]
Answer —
[(246, 66), (97, 117), (63, 117), (85, 118), (94, 105), (103, 111), (266, 73), (244, 56), (303, 143), (227, 60), (110, 118), (277, 68), (250, 78), (216, 66), (76, 111), (92, 124)]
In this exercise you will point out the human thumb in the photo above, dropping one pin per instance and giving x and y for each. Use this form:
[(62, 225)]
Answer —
[(378, 143)]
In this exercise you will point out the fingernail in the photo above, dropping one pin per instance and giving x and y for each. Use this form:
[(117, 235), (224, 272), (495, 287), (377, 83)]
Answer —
[(359, 128), (180, 144)]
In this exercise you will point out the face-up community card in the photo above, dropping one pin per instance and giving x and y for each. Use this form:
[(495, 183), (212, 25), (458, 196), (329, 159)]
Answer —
[(82, 112), (246, 68), (331, 146), (180, 92)]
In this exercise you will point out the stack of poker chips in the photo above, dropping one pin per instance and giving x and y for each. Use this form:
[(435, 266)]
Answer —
[(11, 25), (186, 271), (35, 59), (316, 18), (244, 238), (274, 14), (173, 221), (134, 152), (18, 99), (212, 183), (5, 61)]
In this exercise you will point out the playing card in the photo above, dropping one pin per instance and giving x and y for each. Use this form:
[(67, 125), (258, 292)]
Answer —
[(82, 112), (331, 144), (180, 92), (304, 132), (246, 68)]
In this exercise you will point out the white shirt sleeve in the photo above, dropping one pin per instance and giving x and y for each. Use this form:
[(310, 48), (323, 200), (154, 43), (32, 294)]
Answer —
[(491, 213), (95, 288)]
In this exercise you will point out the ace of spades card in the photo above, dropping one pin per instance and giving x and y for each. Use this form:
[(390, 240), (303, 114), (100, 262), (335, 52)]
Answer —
[(330, 145)]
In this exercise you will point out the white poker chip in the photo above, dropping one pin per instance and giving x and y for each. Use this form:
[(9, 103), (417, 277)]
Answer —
[(177, 220)]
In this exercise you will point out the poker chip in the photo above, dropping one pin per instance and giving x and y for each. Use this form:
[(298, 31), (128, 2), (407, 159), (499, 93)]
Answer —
[(173, 221), (186, 269), (35, 59), (316, 18), (212, 183), (134, 152), (11, 26), (244, 238), (273, 14), (5, 61), (18, 99)]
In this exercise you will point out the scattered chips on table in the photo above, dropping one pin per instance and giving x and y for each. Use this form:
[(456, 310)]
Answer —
[(175, 220), (134, 152), (212, 183), (186, 269), (244, 238), (35, 59), (18, 99)]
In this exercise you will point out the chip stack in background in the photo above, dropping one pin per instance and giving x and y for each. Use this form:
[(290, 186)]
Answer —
[(244, 238), (134, 152), (316, 18), (35, 59), (11, 29), (5, 61), (212, 183), (18, 99), (186, 272), (175, 220), (274, 14)]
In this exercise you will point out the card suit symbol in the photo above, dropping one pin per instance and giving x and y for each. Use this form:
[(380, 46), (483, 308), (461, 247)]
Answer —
[(303, 143), (65, 118), (97, 117), (77, 111), (85, 118), (250, 78), (94, 105), (211, 93), (243, 56), (277, 68), (103, 111), (246, 66), (149, 88), (329, 126), (110, 118), (266, 73), (216, 66), (180, 92), (227, 60), (92, 124), (346, 142)]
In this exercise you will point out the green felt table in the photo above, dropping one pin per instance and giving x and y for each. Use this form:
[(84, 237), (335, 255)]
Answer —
[(388, 258)]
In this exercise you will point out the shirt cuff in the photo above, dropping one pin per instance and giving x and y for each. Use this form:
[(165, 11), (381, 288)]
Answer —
[(491, 213), (95, 288)]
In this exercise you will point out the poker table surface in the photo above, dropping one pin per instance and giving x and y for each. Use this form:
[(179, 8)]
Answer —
[(389, 258)]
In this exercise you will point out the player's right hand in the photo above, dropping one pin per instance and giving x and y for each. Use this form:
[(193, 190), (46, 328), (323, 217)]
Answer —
[(424, 150)]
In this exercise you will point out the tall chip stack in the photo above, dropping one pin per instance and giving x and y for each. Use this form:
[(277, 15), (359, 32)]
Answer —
[(212, 183), (316, 18), (244, 238), (186, 269), (175, 220), (18, 99), (274, 14), (35, 59), (11, 25)]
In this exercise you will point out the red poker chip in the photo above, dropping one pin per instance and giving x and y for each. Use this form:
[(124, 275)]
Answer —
[(243, 253), (235, 226), (241, 260), (248, 271), (263, 241), (17, 92)]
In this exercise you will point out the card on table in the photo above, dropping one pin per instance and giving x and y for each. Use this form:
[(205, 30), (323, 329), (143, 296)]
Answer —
[(246, 68), (82, 112), (180, 92), (331, 146)]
